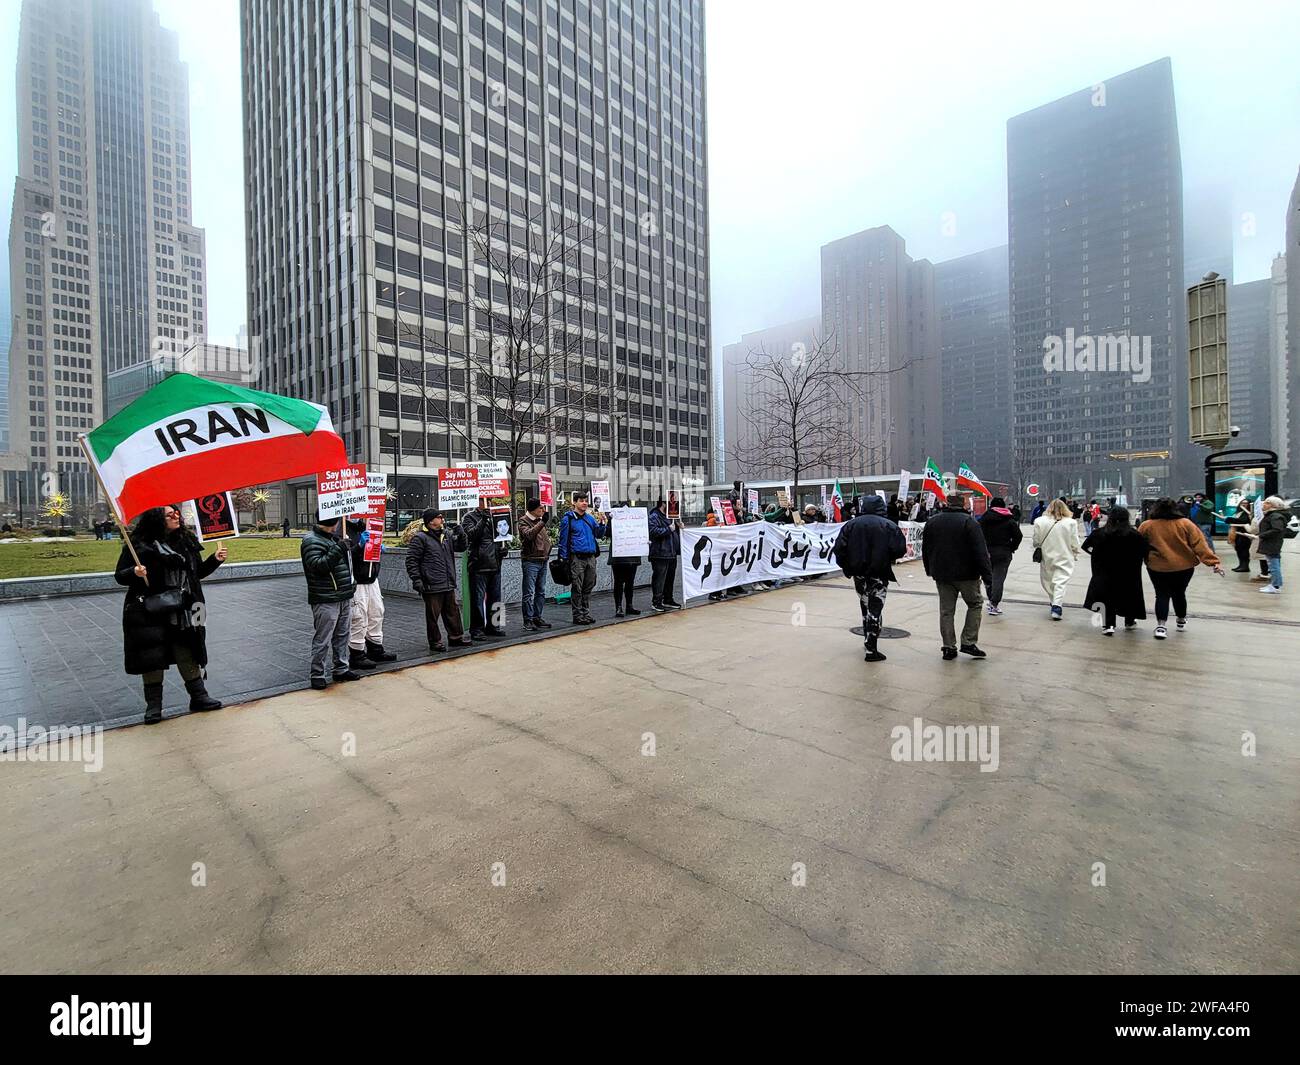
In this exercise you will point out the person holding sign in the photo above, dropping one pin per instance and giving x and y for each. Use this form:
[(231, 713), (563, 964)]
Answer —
[(665, 548), (327, 565), (485, 555), (164, 618), (624, 566), (366, 637), (534, 550), (579, 533), (431, 566)]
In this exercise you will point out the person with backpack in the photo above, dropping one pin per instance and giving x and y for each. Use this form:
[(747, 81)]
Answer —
[(865, 550), (431, 567), (665, 548), (1278, 525), (578, 545), (1177, 545), (1002, 535), (1056, 546), (1117, 552)]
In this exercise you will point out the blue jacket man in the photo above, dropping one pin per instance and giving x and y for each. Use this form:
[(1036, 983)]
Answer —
[(579, 533)]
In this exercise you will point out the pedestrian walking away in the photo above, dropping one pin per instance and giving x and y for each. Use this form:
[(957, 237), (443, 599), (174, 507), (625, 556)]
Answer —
[(366, 641), (534, 550), (1117, 551), (1002, 535), (327, 565), (1056, 546), (866, 549), (665, 548), (580, 533), (431, 569), (956, 558), (1177, 545), (164, 617)]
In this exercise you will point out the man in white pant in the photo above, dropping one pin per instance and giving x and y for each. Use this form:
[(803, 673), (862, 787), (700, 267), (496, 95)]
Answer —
[(366, 642)]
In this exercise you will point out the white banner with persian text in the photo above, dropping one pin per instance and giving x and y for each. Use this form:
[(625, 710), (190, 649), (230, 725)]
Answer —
[(714, 559)]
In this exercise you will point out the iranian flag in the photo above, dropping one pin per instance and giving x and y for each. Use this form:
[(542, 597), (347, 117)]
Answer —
[(188, 436), (837, 503), (932, 481), (966, 479)]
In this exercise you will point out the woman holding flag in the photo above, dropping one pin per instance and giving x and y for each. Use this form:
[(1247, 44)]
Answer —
[(164, 618)]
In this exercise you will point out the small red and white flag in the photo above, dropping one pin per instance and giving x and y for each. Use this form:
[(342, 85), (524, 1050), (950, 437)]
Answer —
[(966, 479), (932, 481)]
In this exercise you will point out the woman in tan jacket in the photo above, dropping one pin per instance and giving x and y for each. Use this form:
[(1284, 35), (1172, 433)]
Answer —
[(1177, 545)]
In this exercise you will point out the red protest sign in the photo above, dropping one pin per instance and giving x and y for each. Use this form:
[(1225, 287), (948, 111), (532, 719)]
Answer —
[(458, 488), (342, 491), (546, 489), (374, 526)]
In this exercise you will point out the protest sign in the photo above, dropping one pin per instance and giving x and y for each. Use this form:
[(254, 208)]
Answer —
[(600, 496), (716, 503), (492, 478), (728, 513), (912, 534), (631, 532), (904, 484), (501, 524), (212, 517), (375, 541), (546, 489), (342, 491), (714, 559), (674, 511), (783, 498), (458, 488), (751, 500)]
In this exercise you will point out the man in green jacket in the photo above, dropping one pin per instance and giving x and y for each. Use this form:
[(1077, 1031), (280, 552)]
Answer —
[(327, 564)]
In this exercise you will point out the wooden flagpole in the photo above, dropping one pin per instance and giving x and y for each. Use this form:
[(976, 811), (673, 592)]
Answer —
[(112, 503)]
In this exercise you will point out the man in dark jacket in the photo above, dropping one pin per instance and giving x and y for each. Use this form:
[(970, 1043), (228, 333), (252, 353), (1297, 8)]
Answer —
[(486, 609), (366, 645), (1002, 536), (534, 550), (866, 550), (665, 547), (431, 567), (957, 559), (327, 564)]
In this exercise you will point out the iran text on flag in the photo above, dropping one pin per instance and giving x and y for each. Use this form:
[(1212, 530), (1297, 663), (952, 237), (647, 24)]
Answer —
[(837, 503), (933, 481), (188, 436), (966, 479)]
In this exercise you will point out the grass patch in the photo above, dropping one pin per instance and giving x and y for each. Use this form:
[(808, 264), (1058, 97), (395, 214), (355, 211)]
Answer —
[(100, 556)]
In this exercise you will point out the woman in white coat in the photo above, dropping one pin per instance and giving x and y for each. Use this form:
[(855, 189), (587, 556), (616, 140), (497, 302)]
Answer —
[(1056, 546)]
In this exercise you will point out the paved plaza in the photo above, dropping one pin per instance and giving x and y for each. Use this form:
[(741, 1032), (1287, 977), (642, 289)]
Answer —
[(714, 789)]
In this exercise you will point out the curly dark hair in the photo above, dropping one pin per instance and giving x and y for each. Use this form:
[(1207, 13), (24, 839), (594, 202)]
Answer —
[(1166, 509), (151, 527)]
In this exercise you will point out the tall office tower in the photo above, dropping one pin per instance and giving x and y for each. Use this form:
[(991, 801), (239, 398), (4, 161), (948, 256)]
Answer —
[(6, 331), (743, 394), (1289, 429), (413, 124), (1094, 189), (104, 262), (878, 306), (975, 362), (1208, 226), (1250, 367)]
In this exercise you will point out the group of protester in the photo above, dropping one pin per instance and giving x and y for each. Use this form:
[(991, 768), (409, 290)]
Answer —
[(965, 556)]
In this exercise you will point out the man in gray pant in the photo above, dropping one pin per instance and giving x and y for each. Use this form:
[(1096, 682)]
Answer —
[(579, 533), (956, 557), (327, 565)]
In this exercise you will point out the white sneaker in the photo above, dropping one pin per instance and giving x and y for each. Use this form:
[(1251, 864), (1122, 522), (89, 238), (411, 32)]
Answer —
[(1109, 630), (1161, 632), (1268, 589)]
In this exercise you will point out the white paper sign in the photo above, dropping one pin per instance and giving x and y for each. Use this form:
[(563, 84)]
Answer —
[(343, 491), (904, 484), (631, 532)]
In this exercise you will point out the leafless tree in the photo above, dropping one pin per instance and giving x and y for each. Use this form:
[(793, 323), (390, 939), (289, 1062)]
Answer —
[(796, 408), (1024, 463)]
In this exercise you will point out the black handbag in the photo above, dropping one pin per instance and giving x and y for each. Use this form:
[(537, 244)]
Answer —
[(560, 572), (165, 602), (1038, 551)]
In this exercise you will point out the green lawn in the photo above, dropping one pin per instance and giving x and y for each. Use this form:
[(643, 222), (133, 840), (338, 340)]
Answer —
[(100, 556)]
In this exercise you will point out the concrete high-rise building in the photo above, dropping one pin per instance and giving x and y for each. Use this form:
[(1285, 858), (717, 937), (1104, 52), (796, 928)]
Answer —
[(1250, 363), (878, 307), (1208, 226), (742, 392), (1289, 428), (975, 362), (1094, 189), (413, 121), (6, 331), (104, 260)]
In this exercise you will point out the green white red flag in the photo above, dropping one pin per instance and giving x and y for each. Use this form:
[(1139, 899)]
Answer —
[(188, 437), (966, 479), (933, 481), (837, 502)]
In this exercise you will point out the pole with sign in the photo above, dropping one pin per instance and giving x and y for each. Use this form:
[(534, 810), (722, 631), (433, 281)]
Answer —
[(342, 491)]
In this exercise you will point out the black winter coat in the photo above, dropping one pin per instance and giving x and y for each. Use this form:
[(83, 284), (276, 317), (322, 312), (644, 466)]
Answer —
[(665, 540), (1117, 572), (149, 641), (485, 554), (363, 572), (953, 548), (327, 565), (1272, 531), (870, 544), (1002, 534), (431, 559)]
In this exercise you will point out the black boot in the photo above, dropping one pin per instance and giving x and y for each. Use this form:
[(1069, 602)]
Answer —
[(376, 653), (358, 660), (152, 703), (199, 698)]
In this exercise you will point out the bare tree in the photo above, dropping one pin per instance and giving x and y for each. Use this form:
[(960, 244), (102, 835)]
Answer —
[(1024, 463), (532, 358), (796, 411)]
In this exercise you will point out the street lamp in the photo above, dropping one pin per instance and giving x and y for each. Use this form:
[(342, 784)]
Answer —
[(397, 442)]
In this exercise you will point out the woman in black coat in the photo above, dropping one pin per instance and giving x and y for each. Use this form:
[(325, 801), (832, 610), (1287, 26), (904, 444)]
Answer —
[(1117, 551), (164, 618), (624, 577)]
